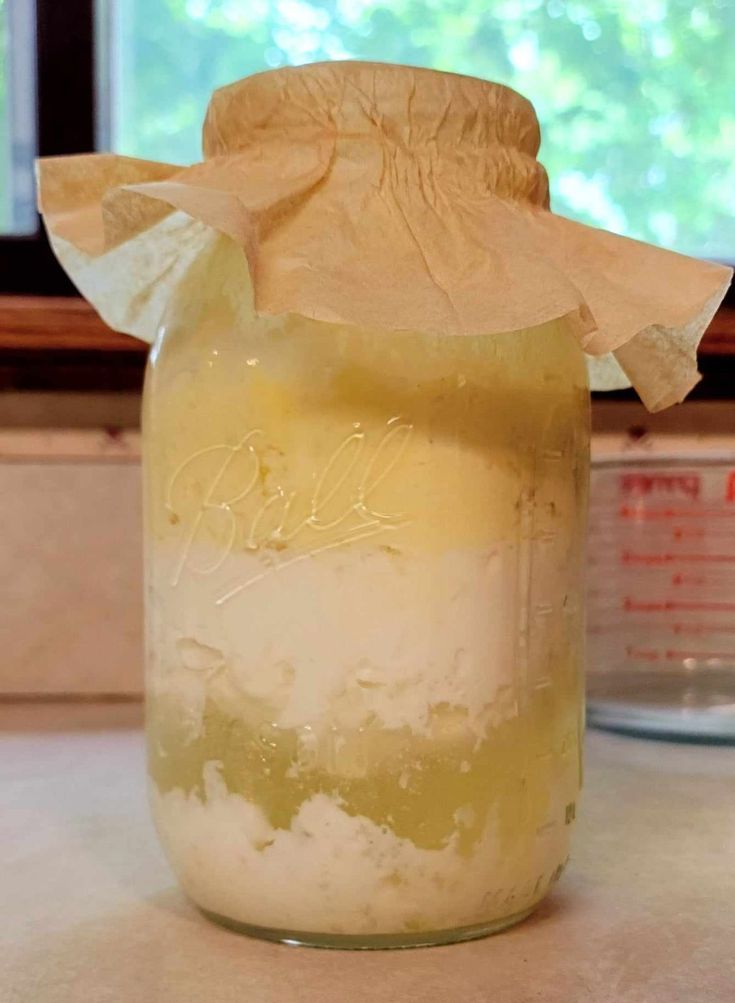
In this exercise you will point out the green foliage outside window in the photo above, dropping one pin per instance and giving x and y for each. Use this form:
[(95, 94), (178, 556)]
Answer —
[(636, 98)]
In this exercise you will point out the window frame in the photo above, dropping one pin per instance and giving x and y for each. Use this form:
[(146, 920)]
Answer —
[(65, 79)]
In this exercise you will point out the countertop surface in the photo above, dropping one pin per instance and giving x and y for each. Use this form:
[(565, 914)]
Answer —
[(90, 912)]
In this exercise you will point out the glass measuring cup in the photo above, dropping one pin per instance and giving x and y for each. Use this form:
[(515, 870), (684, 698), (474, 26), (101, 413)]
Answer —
[(661, 596)]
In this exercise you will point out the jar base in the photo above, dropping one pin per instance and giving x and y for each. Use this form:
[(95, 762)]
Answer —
[(370, 942)]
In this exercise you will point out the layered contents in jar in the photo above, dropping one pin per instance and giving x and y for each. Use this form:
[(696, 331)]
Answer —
[(364, 623)]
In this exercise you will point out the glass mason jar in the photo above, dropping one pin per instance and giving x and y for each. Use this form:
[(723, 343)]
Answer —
[(364, 613)]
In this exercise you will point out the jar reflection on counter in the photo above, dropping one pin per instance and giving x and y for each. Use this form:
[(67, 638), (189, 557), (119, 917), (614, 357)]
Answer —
[(364, 620)]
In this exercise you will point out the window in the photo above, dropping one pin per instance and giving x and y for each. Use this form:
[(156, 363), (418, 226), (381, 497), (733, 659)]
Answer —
[(17, 117), (635, 97), (48, 113)]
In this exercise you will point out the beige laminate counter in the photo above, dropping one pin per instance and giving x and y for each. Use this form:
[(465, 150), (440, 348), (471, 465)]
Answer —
[(90, 913)]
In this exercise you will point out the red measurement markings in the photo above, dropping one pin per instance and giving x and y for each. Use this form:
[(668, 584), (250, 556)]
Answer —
[(730, 490), (640, 514), (641, 485), (650, 560), (702, 628), (680, 629), (671, 605), (655, 560), (642, 654), (720, 558), (680, 533), (636, 606), (680, 579)]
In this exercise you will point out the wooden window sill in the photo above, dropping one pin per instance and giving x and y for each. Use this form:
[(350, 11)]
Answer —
[(51, 323), (56, 323)]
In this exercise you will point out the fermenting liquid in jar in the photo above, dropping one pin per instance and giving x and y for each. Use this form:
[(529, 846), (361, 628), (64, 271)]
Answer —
[(364, 618)]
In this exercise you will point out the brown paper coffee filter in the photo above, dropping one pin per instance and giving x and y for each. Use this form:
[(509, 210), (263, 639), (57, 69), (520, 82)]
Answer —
[(385, 197)]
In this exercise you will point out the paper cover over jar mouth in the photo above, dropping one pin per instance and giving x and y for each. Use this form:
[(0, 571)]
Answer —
[(395, 107), (438, 223)]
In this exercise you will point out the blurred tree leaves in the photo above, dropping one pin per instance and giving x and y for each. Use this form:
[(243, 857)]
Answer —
[(636, 98)]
